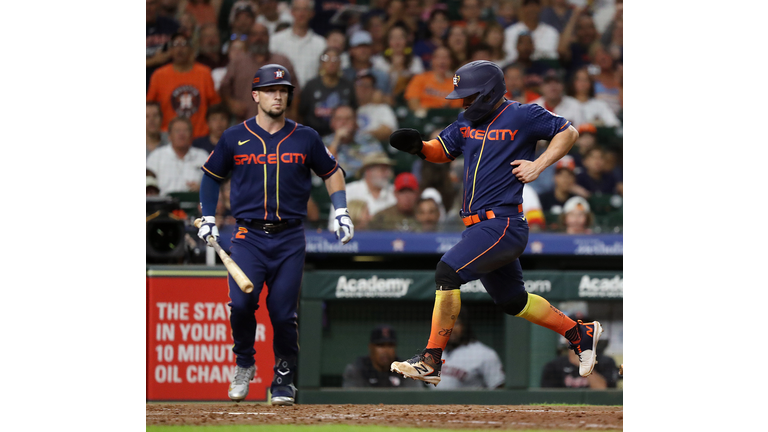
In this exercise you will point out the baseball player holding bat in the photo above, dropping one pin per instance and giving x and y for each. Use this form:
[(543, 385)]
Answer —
[(497, 138), (269, 159)]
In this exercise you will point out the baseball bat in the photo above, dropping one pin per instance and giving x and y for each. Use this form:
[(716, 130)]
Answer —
[(242, 280)]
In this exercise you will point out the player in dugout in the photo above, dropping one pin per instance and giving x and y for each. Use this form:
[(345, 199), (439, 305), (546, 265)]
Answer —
[(497, 138)]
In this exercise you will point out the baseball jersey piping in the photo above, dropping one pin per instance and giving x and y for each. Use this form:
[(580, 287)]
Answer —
[(445, 149), (481, 155), (497, 242), (265, 167), (277, 184)]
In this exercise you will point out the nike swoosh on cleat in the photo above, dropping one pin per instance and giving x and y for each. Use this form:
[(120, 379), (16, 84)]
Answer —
[(283, 373)]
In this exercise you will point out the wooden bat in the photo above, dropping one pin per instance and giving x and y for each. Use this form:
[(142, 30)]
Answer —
[(242, 280)]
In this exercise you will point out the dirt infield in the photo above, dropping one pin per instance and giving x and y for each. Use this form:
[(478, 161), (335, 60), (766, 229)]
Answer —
[(499, 417)]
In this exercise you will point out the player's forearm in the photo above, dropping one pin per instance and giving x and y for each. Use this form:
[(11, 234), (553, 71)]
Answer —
[(560, 145), (335, 182), (209, 195)]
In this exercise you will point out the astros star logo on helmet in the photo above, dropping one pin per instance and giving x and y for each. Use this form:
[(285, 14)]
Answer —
[(456, 80), (279, 73)]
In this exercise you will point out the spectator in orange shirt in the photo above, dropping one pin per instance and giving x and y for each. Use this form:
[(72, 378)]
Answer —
[(428, 89), (183, 88)]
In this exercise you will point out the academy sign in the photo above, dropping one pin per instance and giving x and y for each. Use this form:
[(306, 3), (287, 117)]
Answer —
[(372, 287)]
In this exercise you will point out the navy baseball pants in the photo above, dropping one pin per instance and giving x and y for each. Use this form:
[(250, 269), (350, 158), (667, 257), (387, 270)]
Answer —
[(489, 251), (278, 260)]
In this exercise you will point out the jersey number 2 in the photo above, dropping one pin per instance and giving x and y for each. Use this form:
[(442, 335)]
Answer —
[(241, 232)]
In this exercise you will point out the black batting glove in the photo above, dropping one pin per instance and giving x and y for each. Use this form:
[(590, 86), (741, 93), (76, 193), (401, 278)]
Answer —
[(407, 140)]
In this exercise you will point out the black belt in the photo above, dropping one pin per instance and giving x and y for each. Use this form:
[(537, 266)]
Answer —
[(269, 227), (470, 219)]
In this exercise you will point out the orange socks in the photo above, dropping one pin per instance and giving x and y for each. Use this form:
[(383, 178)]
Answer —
[(539, 311), (447, 307)]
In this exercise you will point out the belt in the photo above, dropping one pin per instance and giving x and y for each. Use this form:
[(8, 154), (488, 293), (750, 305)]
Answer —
[(470, 219), (269, 227)]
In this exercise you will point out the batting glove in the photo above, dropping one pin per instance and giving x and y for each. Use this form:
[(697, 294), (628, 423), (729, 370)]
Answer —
[(407, 140), (208, 228), (342, 225)]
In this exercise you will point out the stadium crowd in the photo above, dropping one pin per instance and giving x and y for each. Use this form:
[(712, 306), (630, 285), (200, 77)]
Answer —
[(364, 68)]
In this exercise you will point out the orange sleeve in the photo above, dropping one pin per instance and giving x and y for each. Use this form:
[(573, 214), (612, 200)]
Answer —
[(434, 151)]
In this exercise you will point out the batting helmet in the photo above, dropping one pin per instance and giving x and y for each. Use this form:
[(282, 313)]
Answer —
[(273, 74), (483, 78)]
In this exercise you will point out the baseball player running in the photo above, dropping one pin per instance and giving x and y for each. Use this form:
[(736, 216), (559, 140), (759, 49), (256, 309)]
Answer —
[(269, 159), (497, 138)]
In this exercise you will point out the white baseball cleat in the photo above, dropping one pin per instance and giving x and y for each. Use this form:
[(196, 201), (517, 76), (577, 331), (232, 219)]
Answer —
[(238, 389), (421, 367)]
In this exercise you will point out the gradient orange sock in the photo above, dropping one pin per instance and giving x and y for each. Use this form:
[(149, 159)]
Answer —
[(447, 307), (540, 312)]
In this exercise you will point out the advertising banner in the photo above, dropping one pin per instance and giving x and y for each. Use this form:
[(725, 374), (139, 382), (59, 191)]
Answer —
[(420, 285), (189, 341)]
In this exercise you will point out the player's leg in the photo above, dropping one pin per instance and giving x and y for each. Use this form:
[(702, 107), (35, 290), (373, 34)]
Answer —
[(506, 287), (242, 319), (284, 275), (474, 255)]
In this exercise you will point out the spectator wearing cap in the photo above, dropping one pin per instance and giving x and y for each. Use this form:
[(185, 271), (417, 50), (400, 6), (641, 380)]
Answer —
[(325, 92), (235, 87), (271, 17), (401, 216), (373, 370), (242, 16), (565, 187), (437, 27), (428, 90), (346, 143), (555, 100), (428, 215), (360, 60), (152, 188), (299, 42), (374, 187), (594, 178), (373, 117), (581, 87), (183, 88), (218, 119), (545, 37), (577, 218)]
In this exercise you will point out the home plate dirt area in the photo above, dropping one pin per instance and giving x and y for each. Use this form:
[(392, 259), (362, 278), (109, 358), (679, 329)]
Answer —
[(499, 417)]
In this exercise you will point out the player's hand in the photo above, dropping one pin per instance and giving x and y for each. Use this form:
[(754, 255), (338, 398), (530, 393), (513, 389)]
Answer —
[(343, 226), (407, 140), (208, 229), (526, 171)]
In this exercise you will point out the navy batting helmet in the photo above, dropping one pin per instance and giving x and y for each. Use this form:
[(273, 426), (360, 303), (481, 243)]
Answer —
[(483, 78), (273, 74)]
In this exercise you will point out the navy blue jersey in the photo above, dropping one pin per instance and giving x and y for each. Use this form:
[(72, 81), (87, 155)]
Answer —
[(509, 134), (270, 173)]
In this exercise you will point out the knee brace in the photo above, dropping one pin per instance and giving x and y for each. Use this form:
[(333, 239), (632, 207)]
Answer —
[(516, 305), (446, 278)]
